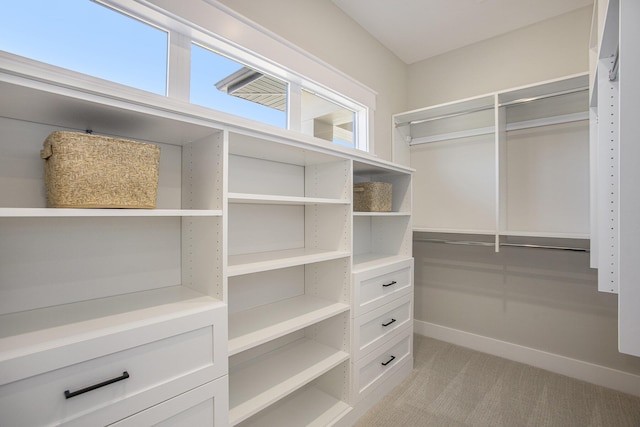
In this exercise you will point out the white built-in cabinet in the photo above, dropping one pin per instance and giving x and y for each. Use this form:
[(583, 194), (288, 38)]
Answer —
[(252, 294), (506, 165), (615, 203)]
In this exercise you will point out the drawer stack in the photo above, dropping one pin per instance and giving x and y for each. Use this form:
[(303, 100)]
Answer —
[(382, 324)]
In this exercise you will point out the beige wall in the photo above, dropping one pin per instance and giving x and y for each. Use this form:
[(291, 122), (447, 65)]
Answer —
[(554, 48), (323, 30)]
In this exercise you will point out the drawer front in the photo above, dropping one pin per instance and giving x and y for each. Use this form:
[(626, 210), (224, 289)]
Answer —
[(376, 287), (156, 372), (372, 329), (203, 406), (381, 364)]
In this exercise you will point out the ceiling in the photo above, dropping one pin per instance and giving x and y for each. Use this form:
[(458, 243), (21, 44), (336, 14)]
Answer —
[(418, 29)]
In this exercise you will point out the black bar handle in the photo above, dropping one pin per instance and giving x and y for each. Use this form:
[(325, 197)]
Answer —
[(388, 361), (389, 322), (389, 284), (69, 394)]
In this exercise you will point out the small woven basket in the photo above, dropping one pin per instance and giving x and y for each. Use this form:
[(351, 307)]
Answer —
[(372, 197), (92, 171)]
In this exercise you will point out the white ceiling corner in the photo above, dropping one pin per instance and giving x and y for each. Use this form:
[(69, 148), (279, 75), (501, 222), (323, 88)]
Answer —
[(419, 29)]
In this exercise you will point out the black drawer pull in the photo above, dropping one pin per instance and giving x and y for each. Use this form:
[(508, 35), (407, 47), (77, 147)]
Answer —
[(389, 322), (389, 284), (388, 361), (69, 394)]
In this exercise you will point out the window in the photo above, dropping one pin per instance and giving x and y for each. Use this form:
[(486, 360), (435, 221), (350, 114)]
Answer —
[(87, 37), (223, 84)]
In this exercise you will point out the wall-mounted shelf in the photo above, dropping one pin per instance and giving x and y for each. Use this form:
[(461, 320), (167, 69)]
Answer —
[(515, 162)]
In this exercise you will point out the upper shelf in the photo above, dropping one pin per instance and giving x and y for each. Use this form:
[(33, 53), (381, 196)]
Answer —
[(526, 107), (59, 212), (283, 200)]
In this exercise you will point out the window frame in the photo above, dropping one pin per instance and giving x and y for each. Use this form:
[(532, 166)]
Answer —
[(182, 33)]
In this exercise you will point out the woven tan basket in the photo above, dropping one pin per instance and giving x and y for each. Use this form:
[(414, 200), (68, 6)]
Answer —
[(92, 171), (372, 197)]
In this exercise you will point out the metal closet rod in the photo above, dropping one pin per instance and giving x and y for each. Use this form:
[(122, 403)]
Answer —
[(518, 245), (490, 107)]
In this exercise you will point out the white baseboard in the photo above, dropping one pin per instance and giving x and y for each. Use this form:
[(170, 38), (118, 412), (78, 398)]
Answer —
[(585, 371)]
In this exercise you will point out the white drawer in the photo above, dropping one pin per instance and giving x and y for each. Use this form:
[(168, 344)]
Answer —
[(372, 329), (382, 363), (375, 287), (205, 406), (157, 371)]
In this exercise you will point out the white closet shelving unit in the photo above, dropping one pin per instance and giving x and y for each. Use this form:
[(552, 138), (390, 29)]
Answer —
[(289, 234), (512, 163), (250, 296), (615, 207)]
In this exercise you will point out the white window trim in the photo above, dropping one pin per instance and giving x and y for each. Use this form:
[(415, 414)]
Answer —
[(250, 44)]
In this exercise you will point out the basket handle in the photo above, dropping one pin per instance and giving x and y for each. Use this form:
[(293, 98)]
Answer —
[(46, 151)]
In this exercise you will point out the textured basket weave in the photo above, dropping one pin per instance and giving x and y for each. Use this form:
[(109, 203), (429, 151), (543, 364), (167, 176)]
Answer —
[(372, 197), (91, 171)]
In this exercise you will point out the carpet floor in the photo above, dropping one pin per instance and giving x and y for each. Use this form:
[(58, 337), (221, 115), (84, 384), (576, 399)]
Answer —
[(456, 386)]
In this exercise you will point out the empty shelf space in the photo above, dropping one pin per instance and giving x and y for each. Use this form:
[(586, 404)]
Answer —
[(261, 324), (265, 261), (283, 200), (264, 381), (31, 340), (309, 407), (66, 212)]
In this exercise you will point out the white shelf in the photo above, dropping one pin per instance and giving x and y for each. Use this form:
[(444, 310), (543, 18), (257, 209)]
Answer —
[(261, 324), (270, 378), (364, 262), (63, 212), (25, 335), (283, 200), (381, 214), (516, 233), (265, 261), (310, 407), (453, 230)]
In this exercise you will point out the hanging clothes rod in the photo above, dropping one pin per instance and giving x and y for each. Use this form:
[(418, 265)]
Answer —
[(517, 245), (489, 107)]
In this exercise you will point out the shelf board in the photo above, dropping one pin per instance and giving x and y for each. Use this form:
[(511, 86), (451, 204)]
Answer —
[(454, 231), (273, 260), (64, 212), (277, 374), (47, 334), (554, 235), (373, 260), (258, 325), (284, 200), (383, 214), (309, 407)]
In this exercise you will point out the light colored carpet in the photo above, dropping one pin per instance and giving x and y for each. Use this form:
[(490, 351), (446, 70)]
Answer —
[(455, 386)]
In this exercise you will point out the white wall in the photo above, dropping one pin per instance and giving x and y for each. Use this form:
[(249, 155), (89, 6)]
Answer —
[(554, 48), (323, 30)]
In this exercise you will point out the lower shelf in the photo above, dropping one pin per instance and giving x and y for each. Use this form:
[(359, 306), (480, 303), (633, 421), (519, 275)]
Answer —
[(278, 319), (263, 381), (309, 407)]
